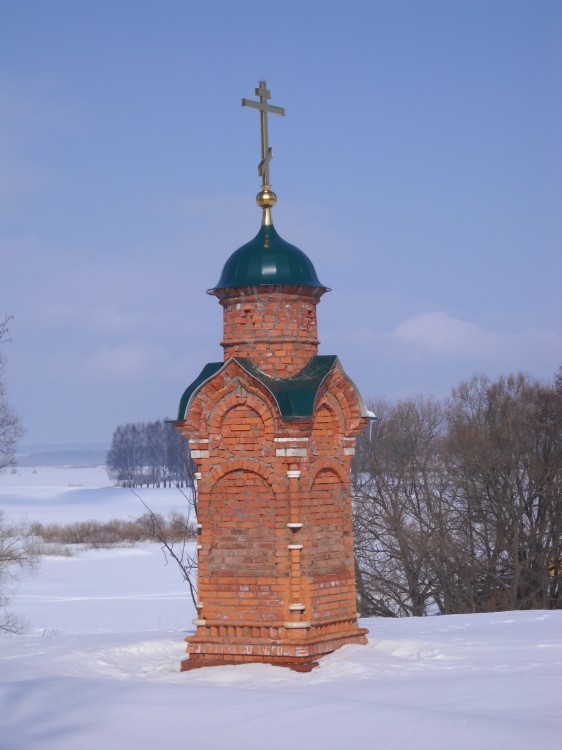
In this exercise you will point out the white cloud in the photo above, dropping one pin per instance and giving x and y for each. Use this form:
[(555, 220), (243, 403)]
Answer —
[(439, 335)]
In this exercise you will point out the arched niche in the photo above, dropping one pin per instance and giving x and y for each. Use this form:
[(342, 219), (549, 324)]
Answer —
[(329, 523), (328, 426), (242, 430), (243, 520)]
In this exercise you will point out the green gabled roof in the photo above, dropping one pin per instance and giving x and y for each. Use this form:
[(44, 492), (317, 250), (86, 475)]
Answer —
[(294, 396), (267, 260), (206, 373)]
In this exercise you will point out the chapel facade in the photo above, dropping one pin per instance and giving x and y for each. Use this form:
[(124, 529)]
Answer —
[(272, 430)]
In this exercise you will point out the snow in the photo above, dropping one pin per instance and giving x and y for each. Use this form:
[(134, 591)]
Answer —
[(99, 666), (63, 495)]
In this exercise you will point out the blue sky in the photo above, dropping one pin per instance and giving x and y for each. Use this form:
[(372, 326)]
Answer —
[(418, 167)]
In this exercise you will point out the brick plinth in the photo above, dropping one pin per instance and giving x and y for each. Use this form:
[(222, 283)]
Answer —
[(301, 655), (276, 575)]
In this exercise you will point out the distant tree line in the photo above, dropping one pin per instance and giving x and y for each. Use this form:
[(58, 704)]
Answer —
[(151, 454), (114, 533), (458, 503)]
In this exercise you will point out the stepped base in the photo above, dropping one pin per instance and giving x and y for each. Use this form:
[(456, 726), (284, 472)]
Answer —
[(299, 655), (189, 664)]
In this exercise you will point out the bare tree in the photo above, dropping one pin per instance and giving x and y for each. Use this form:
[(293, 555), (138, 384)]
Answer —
[(126, 459), (458, 505), (176, 535), (10, 425), (176, 538), (16, 550), (155, 453), (398, 506), (151, 453), (505, 450), (16, 557)]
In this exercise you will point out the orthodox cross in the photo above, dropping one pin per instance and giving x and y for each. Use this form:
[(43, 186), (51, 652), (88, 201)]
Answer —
[(264, 108)]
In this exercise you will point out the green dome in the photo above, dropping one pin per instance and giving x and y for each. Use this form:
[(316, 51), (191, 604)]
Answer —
[(267, 260)]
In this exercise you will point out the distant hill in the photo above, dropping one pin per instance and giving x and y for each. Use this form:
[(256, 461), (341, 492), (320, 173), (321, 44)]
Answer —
[(78, 455)]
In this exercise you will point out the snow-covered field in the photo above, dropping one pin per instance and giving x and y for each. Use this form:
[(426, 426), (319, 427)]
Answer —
[(62, 495), (98, 667)]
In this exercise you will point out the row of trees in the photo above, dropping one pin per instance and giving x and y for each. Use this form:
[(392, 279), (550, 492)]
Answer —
[(149, 453), (458, 503), (92, 534)]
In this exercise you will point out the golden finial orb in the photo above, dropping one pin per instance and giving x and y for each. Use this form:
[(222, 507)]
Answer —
[(266, 198)]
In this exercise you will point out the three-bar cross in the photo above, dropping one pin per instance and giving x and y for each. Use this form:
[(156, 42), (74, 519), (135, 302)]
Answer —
[(264, 108)]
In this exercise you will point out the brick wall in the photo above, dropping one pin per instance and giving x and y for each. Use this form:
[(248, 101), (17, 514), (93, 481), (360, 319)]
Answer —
[(275, 327)]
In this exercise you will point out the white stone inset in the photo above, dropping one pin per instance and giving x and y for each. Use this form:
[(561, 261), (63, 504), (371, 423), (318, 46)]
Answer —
[(199, 454), (293, 474), (349, 451), (296, 625), (289, 452)]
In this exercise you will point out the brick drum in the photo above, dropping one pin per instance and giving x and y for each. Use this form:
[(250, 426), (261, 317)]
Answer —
[(276, 579)]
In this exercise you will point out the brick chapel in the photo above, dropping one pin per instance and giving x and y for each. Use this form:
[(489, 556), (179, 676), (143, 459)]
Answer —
[(272, 432)]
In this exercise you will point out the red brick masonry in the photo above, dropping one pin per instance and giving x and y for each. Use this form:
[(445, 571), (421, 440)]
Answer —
[(275, 327), (276, 568)]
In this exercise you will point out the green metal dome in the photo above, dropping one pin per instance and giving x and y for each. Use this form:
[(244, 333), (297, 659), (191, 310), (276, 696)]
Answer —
[(267, 260)]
